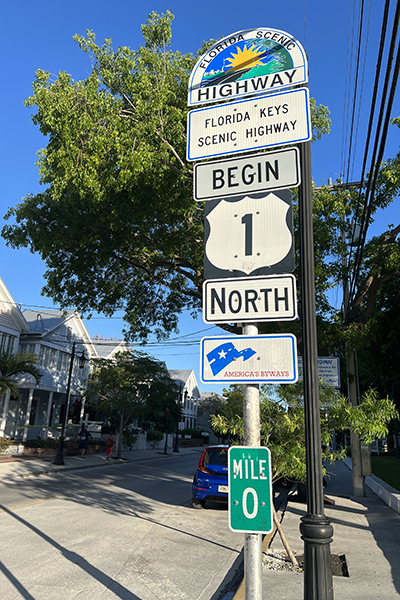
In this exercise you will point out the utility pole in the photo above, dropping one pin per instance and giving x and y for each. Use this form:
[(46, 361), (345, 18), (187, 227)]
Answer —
[(358, 478)]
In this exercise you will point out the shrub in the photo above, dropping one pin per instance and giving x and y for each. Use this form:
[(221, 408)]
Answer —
[(195, 433), (50, 443), (4, 443), (130, 436), (154, 436)]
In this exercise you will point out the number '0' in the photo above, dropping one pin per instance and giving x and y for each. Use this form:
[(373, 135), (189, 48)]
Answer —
[(246, 513)]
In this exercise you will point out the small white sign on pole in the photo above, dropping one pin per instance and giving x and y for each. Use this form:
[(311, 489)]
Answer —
[(328, 370), (262, 122)]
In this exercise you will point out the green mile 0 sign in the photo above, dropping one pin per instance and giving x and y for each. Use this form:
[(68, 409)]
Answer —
[(250, 489)]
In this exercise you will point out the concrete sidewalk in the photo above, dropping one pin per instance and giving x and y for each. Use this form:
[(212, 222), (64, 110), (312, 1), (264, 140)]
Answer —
[(366, 532), (16, 468)]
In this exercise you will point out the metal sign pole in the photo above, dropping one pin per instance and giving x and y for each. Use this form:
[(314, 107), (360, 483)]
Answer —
[(316, 530), (251, 437)]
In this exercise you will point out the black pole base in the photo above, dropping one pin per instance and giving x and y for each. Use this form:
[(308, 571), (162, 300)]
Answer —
[(317, 532), (59, 457)]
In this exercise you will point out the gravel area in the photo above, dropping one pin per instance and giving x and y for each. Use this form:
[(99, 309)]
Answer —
[(278, 560)]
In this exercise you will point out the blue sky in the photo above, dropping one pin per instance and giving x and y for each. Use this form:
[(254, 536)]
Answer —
[(39, 35)]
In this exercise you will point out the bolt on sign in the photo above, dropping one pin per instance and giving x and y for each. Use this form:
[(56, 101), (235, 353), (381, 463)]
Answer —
[(249, 235), (253, 61), (250, 489)]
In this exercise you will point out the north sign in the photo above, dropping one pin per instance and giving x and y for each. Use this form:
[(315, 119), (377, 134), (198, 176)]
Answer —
[(247, 359), (262, 122), (245, 175), (253, 61), (250, 489), (250, 299), (249, 236)]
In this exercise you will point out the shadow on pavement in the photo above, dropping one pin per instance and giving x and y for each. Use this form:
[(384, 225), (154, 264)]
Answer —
[(74, 559)]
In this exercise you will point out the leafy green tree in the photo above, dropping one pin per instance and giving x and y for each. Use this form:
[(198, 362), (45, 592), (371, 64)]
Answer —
[(231, 409), (116, 222), (161, 410), (283, 430), (120, 388), (12, 365)]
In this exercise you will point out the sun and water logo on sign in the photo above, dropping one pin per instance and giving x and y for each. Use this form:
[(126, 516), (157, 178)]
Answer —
[(248, 62)]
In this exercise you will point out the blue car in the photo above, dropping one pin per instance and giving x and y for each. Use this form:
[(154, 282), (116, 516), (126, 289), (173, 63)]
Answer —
[(211, 479)]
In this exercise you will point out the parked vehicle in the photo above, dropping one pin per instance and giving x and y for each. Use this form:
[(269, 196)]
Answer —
[(211, 479)]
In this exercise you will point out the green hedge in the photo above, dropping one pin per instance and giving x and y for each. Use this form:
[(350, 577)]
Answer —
[(195, 433), (154, 436), (51, 443)]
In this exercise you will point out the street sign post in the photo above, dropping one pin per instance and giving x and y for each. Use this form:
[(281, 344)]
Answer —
[(250, 489), (247, 359), (246, 64), (250, 299), (249, 235), (274, 120), (276, 170)]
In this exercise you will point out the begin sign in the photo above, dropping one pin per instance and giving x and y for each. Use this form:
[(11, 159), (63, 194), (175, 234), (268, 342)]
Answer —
[(245, 175)]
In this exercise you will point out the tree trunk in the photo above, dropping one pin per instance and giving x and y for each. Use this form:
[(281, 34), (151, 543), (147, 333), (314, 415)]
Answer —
[(120, 436)]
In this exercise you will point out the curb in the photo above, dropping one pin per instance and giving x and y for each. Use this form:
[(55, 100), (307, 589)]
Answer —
[(383, 490), (115, 462)]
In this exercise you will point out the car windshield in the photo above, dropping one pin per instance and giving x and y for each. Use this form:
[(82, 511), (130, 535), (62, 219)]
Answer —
[(216, 456)]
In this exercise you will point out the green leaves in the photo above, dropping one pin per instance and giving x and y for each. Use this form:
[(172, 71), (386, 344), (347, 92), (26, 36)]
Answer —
[(116, 221), (370, 419), (283, 426), (17, 364)]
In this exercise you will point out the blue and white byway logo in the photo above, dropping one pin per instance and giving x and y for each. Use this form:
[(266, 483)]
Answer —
[(245, 359), (223, 355)]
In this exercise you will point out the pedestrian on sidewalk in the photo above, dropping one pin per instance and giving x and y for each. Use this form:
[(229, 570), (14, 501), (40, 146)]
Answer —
[(84, 436), (109, 445)]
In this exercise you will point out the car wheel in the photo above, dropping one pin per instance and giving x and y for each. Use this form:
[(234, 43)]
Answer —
[(196, 503)]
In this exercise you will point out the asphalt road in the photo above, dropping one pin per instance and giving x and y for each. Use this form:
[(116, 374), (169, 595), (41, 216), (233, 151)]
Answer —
[(125, 531)]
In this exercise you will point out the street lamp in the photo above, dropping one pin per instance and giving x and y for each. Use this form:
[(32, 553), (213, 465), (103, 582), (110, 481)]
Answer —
[(181, 398), (59, 457)]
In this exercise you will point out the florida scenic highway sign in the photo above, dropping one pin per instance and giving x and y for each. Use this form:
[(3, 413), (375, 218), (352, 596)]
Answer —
[(251, 61)]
